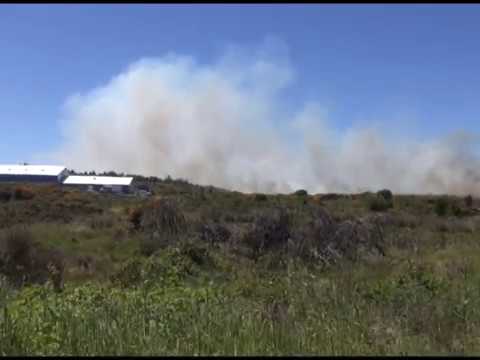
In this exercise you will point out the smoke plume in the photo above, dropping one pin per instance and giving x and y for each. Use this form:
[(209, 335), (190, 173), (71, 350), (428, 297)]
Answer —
[(228, 124)]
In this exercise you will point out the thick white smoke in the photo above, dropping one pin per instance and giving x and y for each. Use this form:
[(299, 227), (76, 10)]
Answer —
[(226, 125)]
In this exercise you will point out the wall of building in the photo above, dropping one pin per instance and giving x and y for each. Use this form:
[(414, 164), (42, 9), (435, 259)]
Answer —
[(106, 188), (28, 178)]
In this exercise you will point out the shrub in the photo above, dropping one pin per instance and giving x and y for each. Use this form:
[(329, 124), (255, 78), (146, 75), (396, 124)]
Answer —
[(119, 233), (129, 274), (164, 269), (301, 192), (162, 216), (17, 244), (150, 244), (135, 217), (260, 197), (5, 196), (23, 193), (162, 223), (269, 232), (386, 194), (469, 201), (456, 210), (441, 206), (214, 233), (198, 254), (101, 222), (23, 262), (379, 203), (330, 196)]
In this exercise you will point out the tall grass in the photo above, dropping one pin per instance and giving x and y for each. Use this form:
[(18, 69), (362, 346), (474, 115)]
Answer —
[(301, 313)]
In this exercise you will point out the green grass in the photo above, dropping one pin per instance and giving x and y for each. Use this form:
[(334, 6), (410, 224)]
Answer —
[(342, 314)]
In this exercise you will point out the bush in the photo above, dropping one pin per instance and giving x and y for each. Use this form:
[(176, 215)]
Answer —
[(386, 194), (162, 224), (301, 192), (164, 269), (379, 203), (149, 245), (101, 221), (331, 196), (23, 193), (198, 254), (456, 210), (129, 274), (260, 197), (269, 232), (135, 217), (23, 262), (469, 201), (17, 244), (162, 216), (5, 196), (441, 207), (214, 233)]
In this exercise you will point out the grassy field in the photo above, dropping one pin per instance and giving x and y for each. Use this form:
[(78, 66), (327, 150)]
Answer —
[(201, 271)]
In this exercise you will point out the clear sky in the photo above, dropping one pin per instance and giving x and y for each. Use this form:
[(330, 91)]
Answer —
[(384, 63)]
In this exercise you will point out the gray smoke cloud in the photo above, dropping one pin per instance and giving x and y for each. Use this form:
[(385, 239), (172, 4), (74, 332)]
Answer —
[(226, 124)]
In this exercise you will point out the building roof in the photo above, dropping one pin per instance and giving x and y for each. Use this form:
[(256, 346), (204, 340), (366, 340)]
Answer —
[(98, 180), (45, 170)]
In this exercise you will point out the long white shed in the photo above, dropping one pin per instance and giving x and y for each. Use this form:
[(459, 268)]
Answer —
[(114, 183)]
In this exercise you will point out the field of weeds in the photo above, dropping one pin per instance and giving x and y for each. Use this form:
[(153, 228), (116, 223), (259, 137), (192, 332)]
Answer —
[(201, 271)]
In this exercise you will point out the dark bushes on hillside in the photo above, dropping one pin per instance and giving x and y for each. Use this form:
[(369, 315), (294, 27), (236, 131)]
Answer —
[(24, 262), (457, 210), (162, 224), (213, 233), (23, 193), (5, 196), (327, 241), (269, 231), (379, 203), (469, 201), (197, 253), (331, 196), (164, 216), (323, 239), (301, 192), (260, 197), (135, 217), (386, 194), (441, 207), (356, 239)]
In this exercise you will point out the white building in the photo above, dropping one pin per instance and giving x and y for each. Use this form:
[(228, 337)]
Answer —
[(113, 183), (33, 173)]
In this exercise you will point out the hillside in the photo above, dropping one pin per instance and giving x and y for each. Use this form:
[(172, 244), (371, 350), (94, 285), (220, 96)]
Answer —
[(198, 270)]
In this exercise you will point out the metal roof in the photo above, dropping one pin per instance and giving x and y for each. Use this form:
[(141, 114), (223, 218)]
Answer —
[(46, 170), (98, 180)]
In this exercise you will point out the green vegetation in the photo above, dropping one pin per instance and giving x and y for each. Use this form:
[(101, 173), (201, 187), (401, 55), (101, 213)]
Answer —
[(301, 192), (202, 271)]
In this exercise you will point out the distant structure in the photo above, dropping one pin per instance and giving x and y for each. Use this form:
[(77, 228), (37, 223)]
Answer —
[(100, 183), (61, 175), (33, 173)]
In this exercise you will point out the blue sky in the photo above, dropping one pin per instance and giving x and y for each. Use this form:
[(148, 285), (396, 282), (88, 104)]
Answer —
[(415, 65)]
